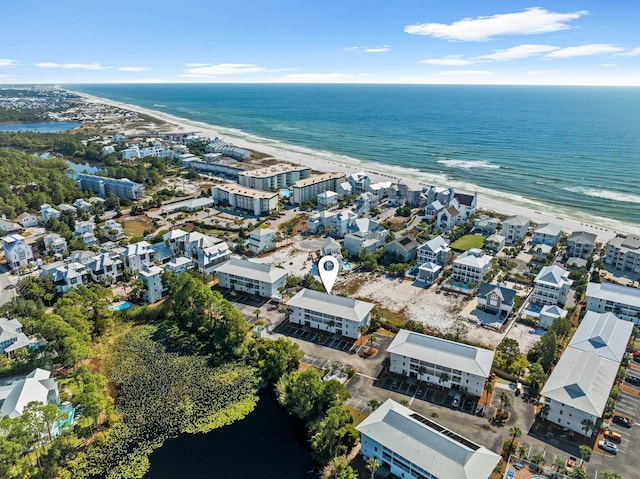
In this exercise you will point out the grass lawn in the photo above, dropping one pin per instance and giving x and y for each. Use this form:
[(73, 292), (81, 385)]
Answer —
[(358, 416), (467, 242)]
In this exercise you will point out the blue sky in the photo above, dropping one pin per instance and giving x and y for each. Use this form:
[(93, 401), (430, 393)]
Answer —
[(346, 41)]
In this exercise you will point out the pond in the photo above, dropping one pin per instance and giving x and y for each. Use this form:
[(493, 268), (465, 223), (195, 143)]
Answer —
[(269, 443), (42, 127)]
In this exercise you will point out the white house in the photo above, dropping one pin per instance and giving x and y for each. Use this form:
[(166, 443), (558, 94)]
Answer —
[(551, 286), (261, 240), (131, 153), (37, 386), (11, 337), (137, 256), (252, 278), (623, 301), (471, 266), (67, 276), (206, 251), (112, 230), (578, 388), (334, 314), (179, 265), (328, 198), (359, 182), (436, 251), (496, 299), (414, 447), (549, 313), (495, 243), (153, 288), (548, 233), (439, 361), (83, 205), (16, 251), (54, 244), (580, 244), (106, 268), (623, 252), (27, 220), (47, 212), (514, 228)]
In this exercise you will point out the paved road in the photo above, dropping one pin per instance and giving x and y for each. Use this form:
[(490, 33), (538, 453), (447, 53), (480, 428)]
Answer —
[(7, 282)]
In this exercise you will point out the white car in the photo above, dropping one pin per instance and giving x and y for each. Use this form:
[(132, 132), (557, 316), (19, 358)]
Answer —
[(608, 446)]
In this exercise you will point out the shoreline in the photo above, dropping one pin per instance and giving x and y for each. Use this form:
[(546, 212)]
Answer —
[(325, 161)]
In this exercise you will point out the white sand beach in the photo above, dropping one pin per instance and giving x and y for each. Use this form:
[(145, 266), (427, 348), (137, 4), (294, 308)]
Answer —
[(315, 160)]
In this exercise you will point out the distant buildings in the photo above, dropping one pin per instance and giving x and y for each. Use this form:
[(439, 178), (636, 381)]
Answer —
[(334, 314), (256, 202), (251, 278), (16, 251), (273, 178), (439, 361), (551, 286), (471, 266), (623, 301), (309, 188), (219, 146), (580, 244), (623, 252), (414, 447), (514, 228), (102, 186)]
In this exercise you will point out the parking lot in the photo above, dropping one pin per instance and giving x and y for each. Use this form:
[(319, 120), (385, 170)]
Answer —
[(340, 343)]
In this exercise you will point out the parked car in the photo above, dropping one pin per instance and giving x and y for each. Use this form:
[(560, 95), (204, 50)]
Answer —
[(456, 401), (632, 380), (613, 436), (608, 446), (622, 421)]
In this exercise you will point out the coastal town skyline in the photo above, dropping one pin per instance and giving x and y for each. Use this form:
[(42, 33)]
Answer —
[(551, 43)]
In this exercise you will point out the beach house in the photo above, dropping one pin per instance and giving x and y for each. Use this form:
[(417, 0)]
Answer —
[(623, 253), (548, 234), (37, 386), (152, 281), (580, 244), (12, 338), (47, 212), (551, 286), (404, 249), (623, 301), (137, 256), (496, 299), (27, 220), (436, 251), (471, 266), (16, 251), (514, 228), (261, 240)]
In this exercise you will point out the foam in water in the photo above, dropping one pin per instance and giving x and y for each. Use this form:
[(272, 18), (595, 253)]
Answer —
[(605, 194), (464, 164)]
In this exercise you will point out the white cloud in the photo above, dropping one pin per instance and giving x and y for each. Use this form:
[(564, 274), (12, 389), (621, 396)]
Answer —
[(319, 78), (634, 52), (584, 50), (518, 52), (6, 62), (378, 49), (226, 69), (532, 21), (75, 66), (195, 65), (450, 60), (464, 73), (351, 49), (607, 65), (134, 69)]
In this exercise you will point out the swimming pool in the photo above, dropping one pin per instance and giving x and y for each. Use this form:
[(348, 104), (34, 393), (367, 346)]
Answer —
[(120, 306), (347, 265), (69, 412)]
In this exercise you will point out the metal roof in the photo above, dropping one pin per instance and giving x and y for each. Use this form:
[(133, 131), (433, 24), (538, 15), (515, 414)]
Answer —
[(248, 269), (339, 306), (615, 293)]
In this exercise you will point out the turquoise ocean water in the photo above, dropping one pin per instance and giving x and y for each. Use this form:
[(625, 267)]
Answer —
[(571, 150)]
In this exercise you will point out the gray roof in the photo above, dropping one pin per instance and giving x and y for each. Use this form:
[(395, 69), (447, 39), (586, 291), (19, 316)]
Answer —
[(516, 220), (553, 275), (507, 294), (463, 357), (582, 237), (604, 333), (615, 293), (550, 229), (248, 269), (339, 306), (436, 244), (427, 444)]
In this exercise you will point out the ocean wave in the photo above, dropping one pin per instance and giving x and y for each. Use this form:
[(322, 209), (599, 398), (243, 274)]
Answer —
[(465, 164), (604, 194)]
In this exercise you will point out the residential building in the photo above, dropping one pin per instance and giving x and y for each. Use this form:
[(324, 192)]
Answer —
[(333, 314), (131, 153), (192, 205), (68, 209), (256, 202), (137, 256), (102, 186), (578, 388), (623, 301), (27, 220), (328, 198), (47, 212), (37, 386), (449, 208), (541, 252), (106, 268), (83, 205), (471, 266), (334, 224), (261, 240), (344, 189), (436, 251), (495, 243), (67, 276), (206, 251), (549, 313), (54, 244), (360, 182), (514, 228), (551, 286), (9, 227), (84, 227), (486, 225), (112, 230), (153, 288), (623, 252), (439, 361), (179, 265), (173, 239), (274, 177), (366, 234), (428, 273), (405, 249), (330, 247), (12, 338), (89, 239), (365, 202), (411, 446), (154, 150), (548, 233), (496, 299), (219, 146), (252, 278), (16, 251), (309, 188), (580, 244)]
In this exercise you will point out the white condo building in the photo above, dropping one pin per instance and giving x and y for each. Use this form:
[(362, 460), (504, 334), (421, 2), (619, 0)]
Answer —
[(273, 178), (252, 278), (623, 252), (257, 202), (411, 446), (623, 301), (552, 286), (440, 361), (334, 314), (310, 188)]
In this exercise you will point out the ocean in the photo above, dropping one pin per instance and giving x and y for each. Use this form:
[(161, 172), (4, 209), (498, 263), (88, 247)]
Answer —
[(574, 151)]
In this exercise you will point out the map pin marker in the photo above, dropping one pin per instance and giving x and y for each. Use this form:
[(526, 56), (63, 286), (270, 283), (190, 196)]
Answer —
[(328, 268)]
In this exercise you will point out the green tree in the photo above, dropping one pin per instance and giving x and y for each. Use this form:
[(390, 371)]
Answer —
[(609, 475), (505, 400), (537, 377), (585, 452), (333, 436), (274, 358), (515, 432), (372, 466)]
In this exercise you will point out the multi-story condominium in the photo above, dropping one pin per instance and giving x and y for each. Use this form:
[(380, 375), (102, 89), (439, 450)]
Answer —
[(256, 202), (137, 256), (514, 228), (471, 266), (252, 278), (261, 240), (580, 244), (173, 239), (310, 188), (435, 251), (153, 289), (47, 212), (552, 286), (439, 361), (496, 299), (11, 337), (334, 314), (623, 252), (16, 251), (547, 234), (106, 268), (102, 186), (414, 447), (54, 244), (623, 301), (273, 178), (578, 388)]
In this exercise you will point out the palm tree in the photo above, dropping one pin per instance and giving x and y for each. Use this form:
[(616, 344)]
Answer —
[(579, 473), (515, 432), (372, 338), (537, 459), (257, 312), (421, 371), (444, 377), (522, 450), (373, 465), (559, 463), (587, 427), (585, 452), (609, 475), (505, 400)]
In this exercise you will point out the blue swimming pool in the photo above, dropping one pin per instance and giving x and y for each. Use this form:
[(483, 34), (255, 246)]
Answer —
[(69, 412), (347, 265), (120, 306)]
